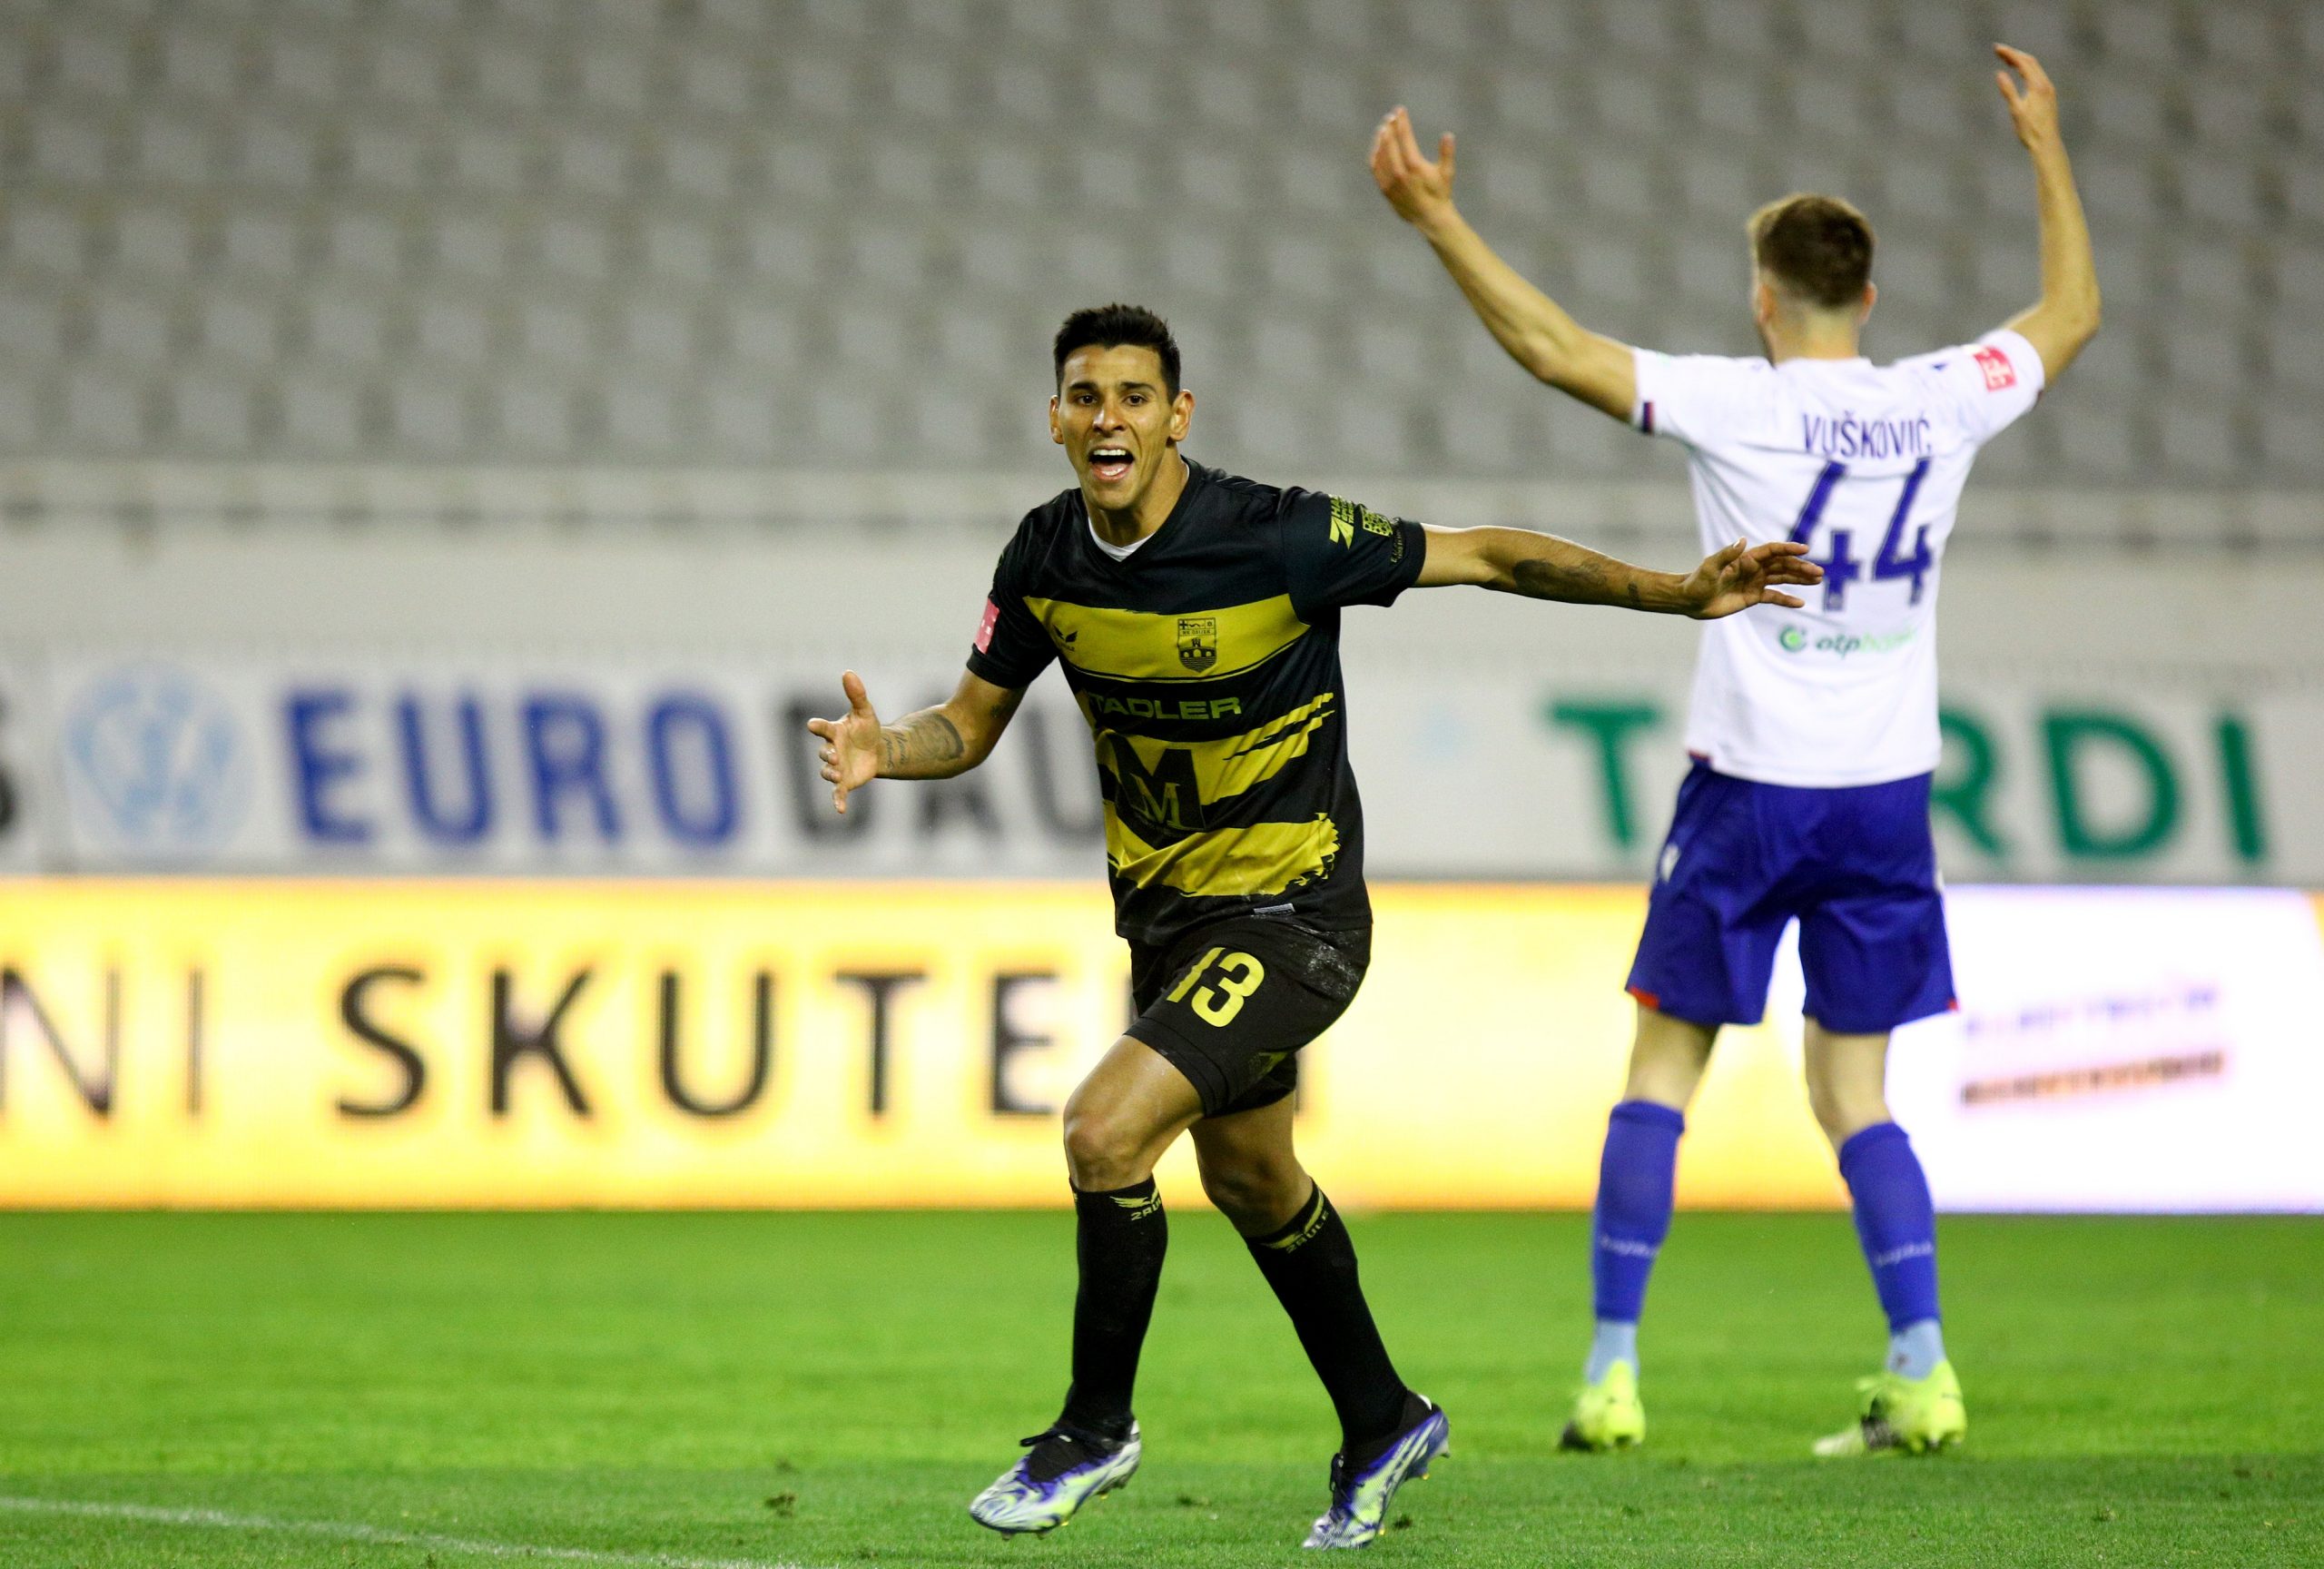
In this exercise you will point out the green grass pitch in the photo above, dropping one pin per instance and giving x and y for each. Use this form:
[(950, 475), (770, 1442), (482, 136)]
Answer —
[(439, 1391)]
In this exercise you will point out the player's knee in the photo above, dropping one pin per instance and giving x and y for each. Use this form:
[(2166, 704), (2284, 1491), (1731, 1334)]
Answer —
[(1842, 1109), (1102, 1150), (1823, 1104), (1255, 1193)]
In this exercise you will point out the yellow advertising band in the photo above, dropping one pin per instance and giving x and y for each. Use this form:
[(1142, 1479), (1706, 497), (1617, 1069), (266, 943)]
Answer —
[(277, 1043)]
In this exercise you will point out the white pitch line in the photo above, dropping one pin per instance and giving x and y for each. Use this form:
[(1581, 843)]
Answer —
[(352, 1531)]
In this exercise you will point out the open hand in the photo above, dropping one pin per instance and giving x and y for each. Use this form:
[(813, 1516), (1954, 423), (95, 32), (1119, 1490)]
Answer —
[(1421, 192), (1744, 575), (2032, 108), (851, 750)]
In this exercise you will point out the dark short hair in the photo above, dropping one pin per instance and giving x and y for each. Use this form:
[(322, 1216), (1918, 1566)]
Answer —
[(1816, 248), (1115, 327)]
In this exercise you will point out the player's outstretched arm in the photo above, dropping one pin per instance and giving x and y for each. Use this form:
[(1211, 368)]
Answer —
[(1537, 333), (1544, 567), (933, 743), (2066, 316)]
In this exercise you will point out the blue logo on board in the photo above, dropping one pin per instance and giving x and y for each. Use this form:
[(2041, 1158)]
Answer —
[(156, 761)]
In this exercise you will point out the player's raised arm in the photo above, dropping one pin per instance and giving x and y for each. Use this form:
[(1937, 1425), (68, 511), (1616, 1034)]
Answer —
[(933, 743), (2066, 316), (1537, 333), (1544, 567)]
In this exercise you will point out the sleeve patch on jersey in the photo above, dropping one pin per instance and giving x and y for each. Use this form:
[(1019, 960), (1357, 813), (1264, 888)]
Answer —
[(984, 627), (1646, 418), (1347, 517), (1999, 371)]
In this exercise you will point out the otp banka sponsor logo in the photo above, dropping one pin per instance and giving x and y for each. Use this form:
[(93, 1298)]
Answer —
[(1795, 639), (155, 760)]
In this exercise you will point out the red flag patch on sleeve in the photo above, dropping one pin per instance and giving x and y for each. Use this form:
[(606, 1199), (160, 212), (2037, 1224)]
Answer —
[(984, 627), (1999, 371)]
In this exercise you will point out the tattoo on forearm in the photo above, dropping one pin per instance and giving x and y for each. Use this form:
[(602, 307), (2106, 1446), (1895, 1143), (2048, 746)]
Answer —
[(1586, 581), (926, 740), (1586, 578)]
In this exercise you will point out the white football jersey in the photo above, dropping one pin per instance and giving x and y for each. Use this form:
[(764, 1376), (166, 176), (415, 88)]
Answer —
[(1865, 464)]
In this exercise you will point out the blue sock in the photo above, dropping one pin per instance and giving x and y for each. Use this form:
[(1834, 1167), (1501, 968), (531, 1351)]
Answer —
[(1633, 1217), (1614, 1342), (1916, 1349), (1897, 1223)]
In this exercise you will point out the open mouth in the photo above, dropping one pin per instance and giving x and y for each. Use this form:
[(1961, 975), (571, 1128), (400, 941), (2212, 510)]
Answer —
[(1109, 463)]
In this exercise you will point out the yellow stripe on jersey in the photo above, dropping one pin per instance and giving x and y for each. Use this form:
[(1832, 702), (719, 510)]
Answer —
[(1140, 646), (1227, 862), (1225, 767)]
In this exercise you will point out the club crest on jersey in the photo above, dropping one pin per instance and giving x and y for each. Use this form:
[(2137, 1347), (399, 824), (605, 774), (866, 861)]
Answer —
[(1197, 642), (1999, 371)]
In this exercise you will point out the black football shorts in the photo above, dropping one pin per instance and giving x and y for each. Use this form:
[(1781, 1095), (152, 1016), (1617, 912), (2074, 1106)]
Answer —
[(1230, 1003)]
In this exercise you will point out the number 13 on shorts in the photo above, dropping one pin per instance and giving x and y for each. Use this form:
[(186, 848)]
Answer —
[(1239, 975)]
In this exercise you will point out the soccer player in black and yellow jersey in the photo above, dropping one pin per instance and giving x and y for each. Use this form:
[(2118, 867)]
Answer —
[(1198, 618)]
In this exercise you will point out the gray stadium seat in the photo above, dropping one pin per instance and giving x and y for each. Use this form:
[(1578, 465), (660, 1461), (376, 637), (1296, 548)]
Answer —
[(44, 237), (2101, 442), (2218, 190), (2140, 32), (2199, 439), (764, 336), (2242, 36), (508, 75), (491, 161), (211, 407), (104, 411), (130, 328), (2288, 447), (261, 245), (199, 62), (242, 329), (743, 419), (1742, 31), (22, 403), (536, 419), (429, 418), (32, 323), (1330, 100), (350, 330), (305, 73), (459, 332)]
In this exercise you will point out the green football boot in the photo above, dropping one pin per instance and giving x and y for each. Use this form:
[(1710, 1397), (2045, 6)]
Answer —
[(1607, 1415), (1902, 1415)]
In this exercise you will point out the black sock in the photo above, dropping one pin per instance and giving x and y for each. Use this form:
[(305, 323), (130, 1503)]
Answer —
[(1121, 1238), (1311, 1264)]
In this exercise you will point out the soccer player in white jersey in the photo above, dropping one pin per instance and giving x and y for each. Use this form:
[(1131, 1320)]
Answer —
[(1813, 731)]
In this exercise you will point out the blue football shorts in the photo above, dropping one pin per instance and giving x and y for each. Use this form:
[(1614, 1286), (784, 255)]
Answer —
[(1855, 866)]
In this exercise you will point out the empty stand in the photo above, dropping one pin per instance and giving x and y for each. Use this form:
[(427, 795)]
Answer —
[(818, 235)]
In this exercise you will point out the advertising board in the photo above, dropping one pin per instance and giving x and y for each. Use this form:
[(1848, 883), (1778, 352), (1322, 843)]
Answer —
[(535, 765), (199, 1042)]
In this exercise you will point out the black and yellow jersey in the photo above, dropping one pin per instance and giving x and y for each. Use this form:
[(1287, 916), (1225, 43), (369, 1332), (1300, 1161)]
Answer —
[(1208, 664)]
